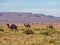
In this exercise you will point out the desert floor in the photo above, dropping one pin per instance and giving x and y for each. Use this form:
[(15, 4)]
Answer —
[(41, 36)]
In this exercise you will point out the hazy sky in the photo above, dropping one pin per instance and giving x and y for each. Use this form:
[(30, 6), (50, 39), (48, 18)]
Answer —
[(50, 7)]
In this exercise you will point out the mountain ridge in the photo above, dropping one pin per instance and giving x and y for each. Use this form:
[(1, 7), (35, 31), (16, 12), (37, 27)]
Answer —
[(27, 17)]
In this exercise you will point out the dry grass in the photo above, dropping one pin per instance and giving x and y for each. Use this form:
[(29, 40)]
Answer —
[(38, 38)]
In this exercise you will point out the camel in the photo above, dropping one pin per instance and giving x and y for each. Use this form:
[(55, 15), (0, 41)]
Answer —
[(51, 26), (27, 25), (13, 26)]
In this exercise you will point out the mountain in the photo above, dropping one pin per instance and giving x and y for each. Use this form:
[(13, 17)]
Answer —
[(27, 17)]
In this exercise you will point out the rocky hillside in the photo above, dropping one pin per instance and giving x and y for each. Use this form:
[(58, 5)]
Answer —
[(27, 17)]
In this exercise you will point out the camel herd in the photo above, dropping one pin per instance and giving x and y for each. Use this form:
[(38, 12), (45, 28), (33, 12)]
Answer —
[(13, 27)]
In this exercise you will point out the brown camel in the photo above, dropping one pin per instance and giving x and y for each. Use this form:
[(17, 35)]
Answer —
[(27, 25), (13, 26), (51, 26)]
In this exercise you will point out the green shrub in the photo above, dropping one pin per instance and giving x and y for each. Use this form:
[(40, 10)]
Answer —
[(28, 32), (46, 29), (1, 30), (36, 29), (22, 29), (48, 32), (52, 41), (45, 33)]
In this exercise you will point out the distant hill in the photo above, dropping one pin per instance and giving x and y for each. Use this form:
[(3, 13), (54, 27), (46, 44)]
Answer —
[(27, 17)]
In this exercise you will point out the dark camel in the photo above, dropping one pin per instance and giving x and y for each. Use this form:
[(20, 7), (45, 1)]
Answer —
[(27, 25), (13, 26), (51, 26)]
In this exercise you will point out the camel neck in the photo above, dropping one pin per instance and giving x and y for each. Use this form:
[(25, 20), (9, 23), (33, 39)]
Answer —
[(8, 25)]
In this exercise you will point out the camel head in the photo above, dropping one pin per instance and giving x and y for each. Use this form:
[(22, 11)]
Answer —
[(7, 25)]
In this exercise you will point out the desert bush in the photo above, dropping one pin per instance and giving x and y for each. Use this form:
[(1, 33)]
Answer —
[(52, 31), (46, 29), (22, 29), (36, 29), (45, 33), (49, 32), (1, 30), (28, 31), (52, 41)]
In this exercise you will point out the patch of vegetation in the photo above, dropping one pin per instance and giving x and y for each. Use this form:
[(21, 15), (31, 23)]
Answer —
[(42, 29), (22, 29), (53, 31), (58, 43), (52, 41), (28, 31), (46, 29), (1, 30), (48, 32), (45, 33), (36, 29)]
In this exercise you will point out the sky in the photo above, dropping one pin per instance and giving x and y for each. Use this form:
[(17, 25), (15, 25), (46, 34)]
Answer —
[(48, 7)]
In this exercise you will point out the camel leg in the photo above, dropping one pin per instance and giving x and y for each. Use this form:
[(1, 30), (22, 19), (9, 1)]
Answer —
[(9, 30), (16, 30), (12, 30)]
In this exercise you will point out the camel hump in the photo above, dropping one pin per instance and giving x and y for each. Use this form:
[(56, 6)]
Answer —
[(51, 26), (13, 26)]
